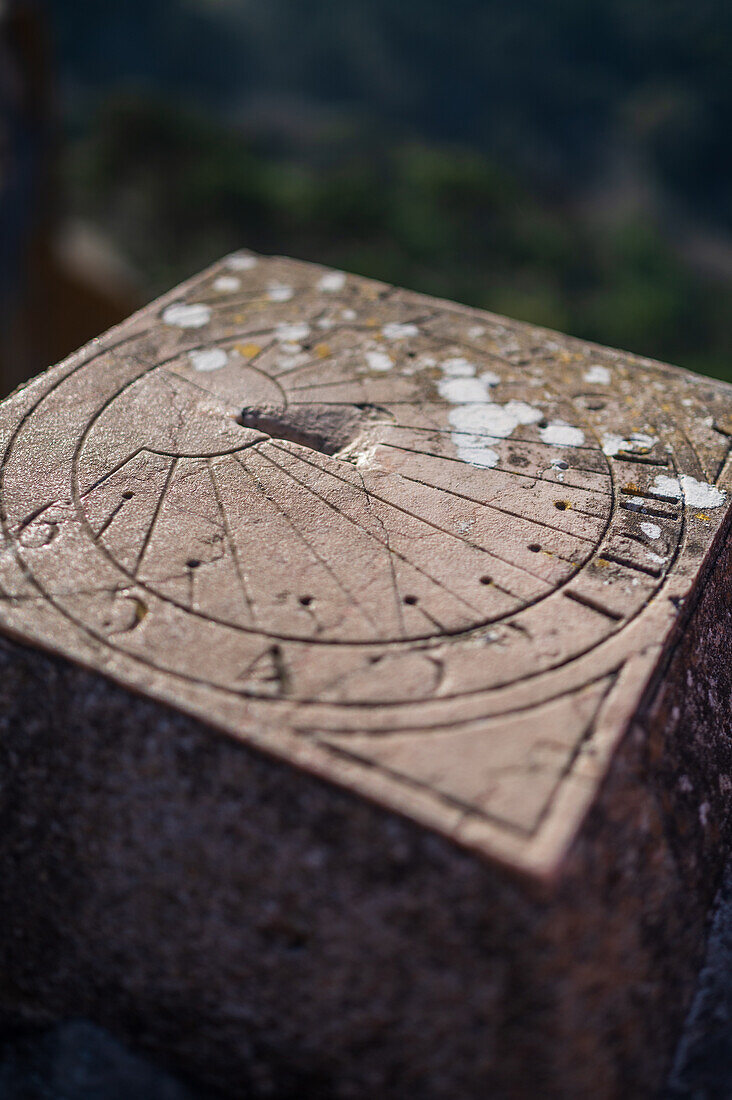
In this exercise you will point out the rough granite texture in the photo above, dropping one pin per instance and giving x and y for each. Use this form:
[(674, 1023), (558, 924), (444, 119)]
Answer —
[(364, 693)]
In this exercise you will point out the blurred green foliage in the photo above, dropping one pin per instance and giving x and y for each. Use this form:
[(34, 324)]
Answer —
[(176, 189)]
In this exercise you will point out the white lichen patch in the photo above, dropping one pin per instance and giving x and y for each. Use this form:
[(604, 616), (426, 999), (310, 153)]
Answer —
[(419, 363), (560, 434), (240, 261), (459, 367), (208, 359), (279, 292), (476, 420), (292, 333), (463, 391), (655, 558), (477, 452), (332, 282), (293, 357), (491, 419), (635, 443), (187, 315), (396, 330), (598, 375), (227, 284), (287, 347), (697, 494), (651, 530), (475, 332), (666, 486), (378, 360)]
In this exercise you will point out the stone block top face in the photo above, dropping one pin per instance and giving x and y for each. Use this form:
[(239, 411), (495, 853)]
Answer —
[(426, 553)]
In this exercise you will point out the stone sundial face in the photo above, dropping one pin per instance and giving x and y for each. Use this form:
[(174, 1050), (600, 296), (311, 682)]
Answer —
[(421, 550)]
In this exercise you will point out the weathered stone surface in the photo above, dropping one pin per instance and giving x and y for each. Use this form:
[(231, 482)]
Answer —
[(455, 591)]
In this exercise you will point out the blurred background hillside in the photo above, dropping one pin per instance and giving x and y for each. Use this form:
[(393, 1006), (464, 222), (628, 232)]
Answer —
[(566, 163)]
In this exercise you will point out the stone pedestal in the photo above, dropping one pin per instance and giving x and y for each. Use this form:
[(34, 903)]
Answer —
[(365, 692)]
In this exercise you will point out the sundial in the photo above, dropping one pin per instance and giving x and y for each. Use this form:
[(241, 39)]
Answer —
[(435, 558)]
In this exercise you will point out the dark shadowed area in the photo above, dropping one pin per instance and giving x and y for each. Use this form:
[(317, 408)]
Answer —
[(563, 163)]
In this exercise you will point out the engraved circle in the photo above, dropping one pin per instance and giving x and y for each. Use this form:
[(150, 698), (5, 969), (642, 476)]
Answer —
[(445, 504), (412, 388)]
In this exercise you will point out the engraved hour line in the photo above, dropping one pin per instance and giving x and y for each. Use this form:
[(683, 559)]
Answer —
[(346, 591), (479, 435), (390, 558), (29, 413), (617, 559), (431, 618), (640, 460), (428, 523), (412, 565), (725, 458), (231, 542), (506, 470), (310, 364), (156, 513), (384, 545), (697, 456), (649, 494), (112, 515), (647, 510), (593, 605), (503, 511), (388, 504), (391, 553), (355, 382), (210, 394), (633, 536), (112, 472)]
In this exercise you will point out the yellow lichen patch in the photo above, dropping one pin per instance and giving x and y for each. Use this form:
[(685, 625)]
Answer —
[(322, 350), (371, 322), (701, 515), (248, 350), (631, 487)]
